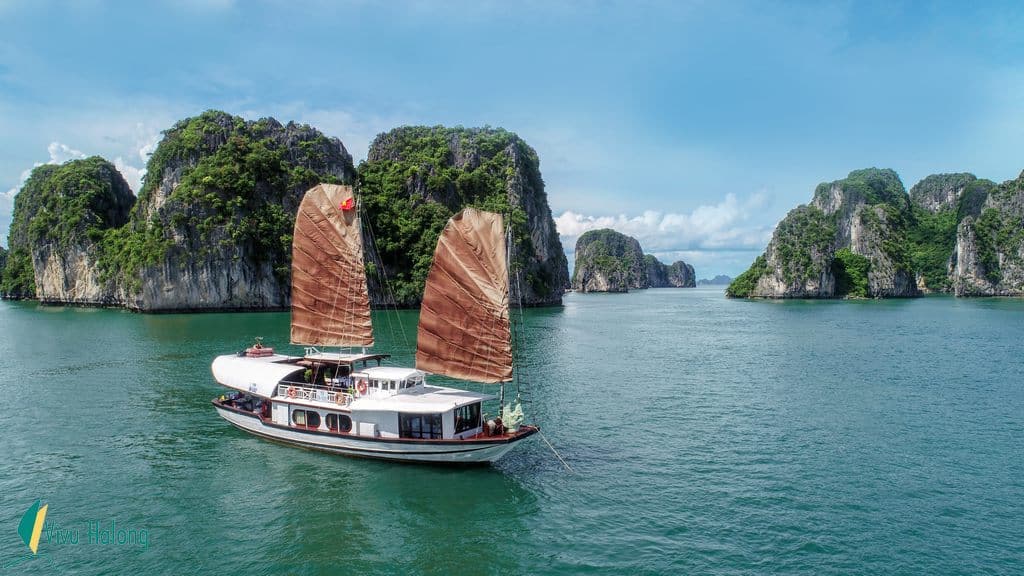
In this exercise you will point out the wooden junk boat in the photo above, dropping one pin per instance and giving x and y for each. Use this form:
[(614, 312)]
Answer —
[(349, 402)]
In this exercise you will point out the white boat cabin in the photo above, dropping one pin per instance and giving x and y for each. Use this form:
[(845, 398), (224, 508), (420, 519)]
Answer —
[(333, 395)]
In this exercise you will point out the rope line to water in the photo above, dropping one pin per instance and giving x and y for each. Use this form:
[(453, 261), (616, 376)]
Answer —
[(555, 452)]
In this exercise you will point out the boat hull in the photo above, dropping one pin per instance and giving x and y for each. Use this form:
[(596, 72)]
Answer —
[(471, 451)]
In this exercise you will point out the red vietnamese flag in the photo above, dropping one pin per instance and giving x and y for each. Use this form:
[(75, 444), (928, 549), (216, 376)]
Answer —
[(348, 204)]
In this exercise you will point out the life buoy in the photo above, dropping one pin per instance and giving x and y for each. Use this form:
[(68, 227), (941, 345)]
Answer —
[(361, 386), (291, 392)]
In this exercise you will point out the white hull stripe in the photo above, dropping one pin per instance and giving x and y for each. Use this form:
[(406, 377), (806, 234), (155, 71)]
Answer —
[(479, 452)]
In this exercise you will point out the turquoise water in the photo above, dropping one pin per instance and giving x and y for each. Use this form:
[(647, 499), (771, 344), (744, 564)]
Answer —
[(707, 436)]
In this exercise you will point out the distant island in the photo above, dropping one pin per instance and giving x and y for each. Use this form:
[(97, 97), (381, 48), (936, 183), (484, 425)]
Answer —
[(865, 237), (609, 261), (719, 280), (211, 228)]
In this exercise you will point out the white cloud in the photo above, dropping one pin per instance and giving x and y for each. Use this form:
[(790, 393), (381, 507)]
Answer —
[(725, 226), (145, 142), (61, 153), (131, 174)]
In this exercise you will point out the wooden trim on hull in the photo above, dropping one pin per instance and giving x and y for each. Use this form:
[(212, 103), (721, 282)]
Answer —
[(468, 451)]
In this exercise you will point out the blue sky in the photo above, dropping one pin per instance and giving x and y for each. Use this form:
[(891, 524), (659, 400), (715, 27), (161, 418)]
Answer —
[(694, 126)]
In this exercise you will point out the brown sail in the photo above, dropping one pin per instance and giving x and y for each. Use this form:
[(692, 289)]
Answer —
[(330, 303), (464, 320)]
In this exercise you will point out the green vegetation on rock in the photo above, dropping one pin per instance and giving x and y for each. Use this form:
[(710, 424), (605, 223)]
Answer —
[(743, 285), (890, 224), (851, 271), (607, 260), (932, 238), (18, 278), (71, 205), (802, 238), (997, 232), (237, 185), (870, 215), (869, 186), (417, 177), (940, 202), (213, 224), (78, 199), (28, 202), (216, 212), (973, 198)]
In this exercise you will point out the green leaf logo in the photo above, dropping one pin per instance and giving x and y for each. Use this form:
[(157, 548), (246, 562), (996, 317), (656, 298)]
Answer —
[(31, 525)]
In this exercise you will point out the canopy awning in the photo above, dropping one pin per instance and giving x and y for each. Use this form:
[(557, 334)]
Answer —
[(257, 376)]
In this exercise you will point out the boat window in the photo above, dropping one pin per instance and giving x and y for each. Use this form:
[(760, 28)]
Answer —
[(419, 425), (308, 418), (312, 419), (467, 417), (338, 422), (392, 384)]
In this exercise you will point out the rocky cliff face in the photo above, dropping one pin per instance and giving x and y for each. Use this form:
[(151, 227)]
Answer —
[(953, 232), (211, 229), (213, 226), (939, 204), (681, 275), (940, 192), (866, 213), (656, 272), (608, 261), (989, 256), (415, 178), (676, 275), (62, 216), (19, 276)]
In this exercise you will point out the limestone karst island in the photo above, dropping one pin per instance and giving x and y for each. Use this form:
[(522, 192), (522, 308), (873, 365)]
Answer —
[(865, 237), (211, 228), (608, 261)]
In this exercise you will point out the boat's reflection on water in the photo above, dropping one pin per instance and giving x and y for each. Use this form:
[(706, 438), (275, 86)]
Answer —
[(365, 516)]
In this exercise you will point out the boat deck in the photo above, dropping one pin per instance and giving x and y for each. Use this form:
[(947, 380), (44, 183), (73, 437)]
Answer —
[(248, 408)]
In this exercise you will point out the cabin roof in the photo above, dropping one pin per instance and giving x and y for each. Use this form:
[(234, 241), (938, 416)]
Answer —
[(342, 358), (258, 376), (428, 399), (389, 372)]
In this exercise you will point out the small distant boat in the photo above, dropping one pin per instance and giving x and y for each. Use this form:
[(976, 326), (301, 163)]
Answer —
[(350, 402)]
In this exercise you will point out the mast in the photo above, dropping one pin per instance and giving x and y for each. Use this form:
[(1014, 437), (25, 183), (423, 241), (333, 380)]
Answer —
[(508, 258)]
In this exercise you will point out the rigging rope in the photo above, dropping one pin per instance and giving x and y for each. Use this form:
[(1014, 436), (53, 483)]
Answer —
[(555, 452), (390, 303)]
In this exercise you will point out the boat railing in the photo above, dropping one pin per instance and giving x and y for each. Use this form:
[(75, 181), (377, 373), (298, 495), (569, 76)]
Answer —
[(297, 392)]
